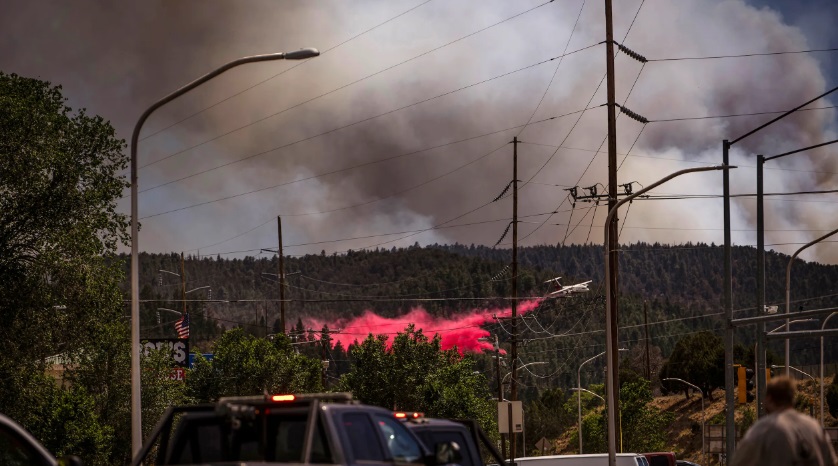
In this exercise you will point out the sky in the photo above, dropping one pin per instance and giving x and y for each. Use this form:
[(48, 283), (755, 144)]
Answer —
[(400, 131)]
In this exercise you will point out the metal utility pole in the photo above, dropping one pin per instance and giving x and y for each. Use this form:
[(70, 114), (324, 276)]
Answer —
[(513, 396), (730, 426), (500, 391), (612, 245), (183, 283), (646, 325), (281, 274), (760, 348)]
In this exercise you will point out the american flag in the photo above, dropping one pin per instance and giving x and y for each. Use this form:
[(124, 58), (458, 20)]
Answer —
[(182, 326)]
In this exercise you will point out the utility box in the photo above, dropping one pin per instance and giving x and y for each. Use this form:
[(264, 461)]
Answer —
[(517, 416)]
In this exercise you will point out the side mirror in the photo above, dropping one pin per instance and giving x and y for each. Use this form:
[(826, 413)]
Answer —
[(71, 460), (448, 453)]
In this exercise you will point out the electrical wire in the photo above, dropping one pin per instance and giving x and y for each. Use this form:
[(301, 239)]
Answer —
[(322, 53), (345, 169), (757, 54), (346, 85)]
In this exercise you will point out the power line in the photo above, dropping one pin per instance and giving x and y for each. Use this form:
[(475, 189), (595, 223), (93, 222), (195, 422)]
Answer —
[(758, 54), (349, 84), (354, 167), (733, 115), (283, 146), (323, 52)]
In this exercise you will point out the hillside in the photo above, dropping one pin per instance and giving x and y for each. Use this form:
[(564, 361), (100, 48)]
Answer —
[(683, 434), (458, 291), (681, 287)]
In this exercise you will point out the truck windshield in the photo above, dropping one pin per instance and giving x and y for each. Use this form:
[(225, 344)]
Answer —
[(277, 437)]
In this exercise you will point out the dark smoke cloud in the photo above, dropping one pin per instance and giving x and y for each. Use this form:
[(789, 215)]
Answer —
[(117, 58)]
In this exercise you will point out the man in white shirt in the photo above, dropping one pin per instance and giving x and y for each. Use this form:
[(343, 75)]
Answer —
[(785, 436)]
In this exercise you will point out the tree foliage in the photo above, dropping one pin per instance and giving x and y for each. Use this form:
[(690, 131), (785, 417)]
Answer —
[(415, 374), (643, 426), (246, 365), (698, 359), (60, 288)]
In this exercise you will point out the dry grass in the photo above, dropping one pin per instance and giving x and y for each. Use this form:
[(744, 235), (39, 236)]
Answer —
[(684, 433)]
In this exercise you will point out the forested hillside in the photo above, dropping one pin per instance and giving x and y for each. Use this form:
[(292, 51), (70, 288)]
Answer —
[(682, 286)]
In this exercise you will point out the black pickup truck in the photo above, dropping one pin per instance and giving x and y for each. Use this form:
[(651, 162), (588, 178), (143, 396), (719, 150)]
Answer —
[(328, 428)]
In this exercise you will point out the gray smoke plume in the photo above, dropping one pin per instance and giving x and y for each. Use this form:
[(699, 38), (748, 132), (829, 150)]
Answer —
[(115, 59)]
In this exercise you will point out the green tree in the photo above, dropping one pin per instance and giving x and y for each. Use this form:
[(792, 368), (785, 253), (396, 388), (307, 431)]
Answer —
[(643, 426), (59, 230), (415, 374), (246, 365), (698, 359), (551, 414)]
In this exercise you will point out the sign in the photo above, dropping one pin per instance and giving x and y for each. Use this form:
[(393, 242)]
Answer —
[(517, 416), (179, 348), (207, 356), (178, 374), (543, 445)]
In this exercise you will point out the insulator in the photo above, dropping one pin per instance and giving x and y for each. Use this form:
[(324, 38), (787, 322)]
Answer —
[(503, 235), (631, 53), (505, 190), (633, 116)]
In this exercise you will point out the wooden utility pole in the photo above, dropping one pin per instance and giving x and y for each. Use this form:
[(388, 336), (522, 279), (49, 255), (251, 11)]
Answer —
[(281, 277), (614, 363), (513, 396)]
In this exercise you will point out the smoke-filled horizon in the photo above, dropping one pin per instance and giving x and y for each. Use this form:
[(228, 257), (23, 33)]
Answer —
[(399, 132)]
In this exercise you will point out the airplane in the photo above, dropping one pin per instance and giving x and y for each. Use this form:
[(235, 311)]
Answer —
[(567, 291)]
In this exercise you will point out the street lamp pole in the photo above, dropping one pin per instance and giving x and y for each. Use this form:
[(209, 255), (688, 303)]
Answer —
[(580, 389), (136, 421), (579, 395), (774, 366), (611, 314), (822, 327), (788, 290), (703, 414)]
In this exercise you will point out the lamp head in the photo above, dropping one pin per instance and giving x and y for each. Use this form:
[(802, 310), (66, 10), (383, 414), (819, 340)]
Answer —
[(302, 54)]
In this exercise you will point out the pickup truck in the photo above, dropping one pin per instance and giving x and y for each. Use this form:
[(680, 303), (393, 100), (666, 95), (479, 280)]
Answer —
[(326, 428), (467, 434)]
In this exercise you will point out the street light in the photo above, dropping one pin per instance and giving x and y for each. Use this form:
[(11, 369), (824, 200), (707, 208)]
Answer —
[(136, 421), (535, 363), (822, 327), (166, 309), (786, 326), (703, 414), (579, 394), (788, 288), (580, 389), (610, 314), (775, 366)]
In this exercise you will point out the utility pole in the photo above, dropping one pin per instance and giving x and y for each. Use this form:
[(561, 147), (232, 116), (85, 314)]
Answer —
[(183, 282), (513, 396), (646, 324), (730, 421), (281, 274), (500, 391), (612, 245), (760, 347)]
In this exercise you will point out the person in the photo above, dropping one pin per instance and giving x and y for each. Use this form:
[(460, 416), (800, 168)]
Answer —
[(785, 436)]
